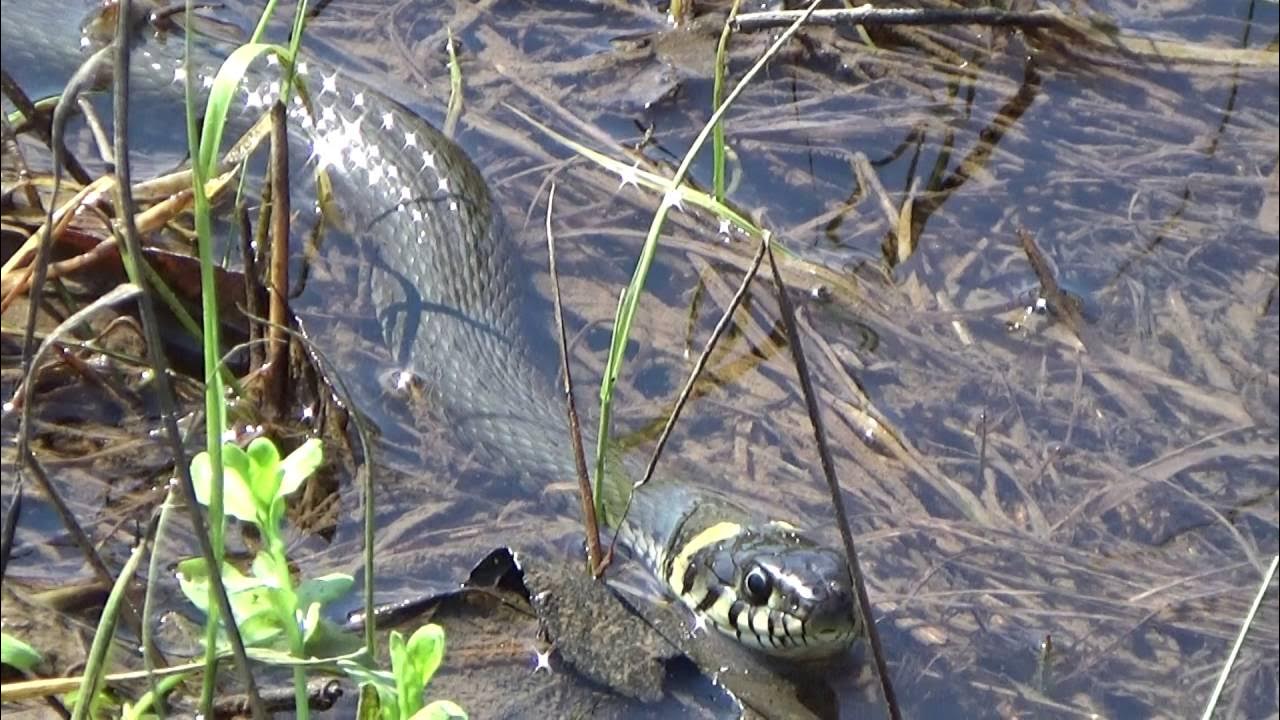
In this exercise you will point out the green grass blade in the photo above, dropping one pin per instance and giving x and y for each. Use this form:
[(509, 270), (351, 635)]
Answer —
[(102, 637), (204, 148), (673, 193), (260, 28), (717, 92), (223, 94)]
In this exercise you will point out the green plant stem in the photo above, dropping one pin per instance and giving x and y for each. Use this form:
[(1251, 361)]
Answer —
[(261, 28), (154, 697), (102, 637), (289, 618), (157, 691), (215, 410)]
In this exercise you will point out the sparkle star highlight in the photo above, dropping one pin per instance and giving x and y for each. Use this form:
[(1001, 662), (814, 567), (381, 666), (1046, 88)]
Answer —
[(629, 176)]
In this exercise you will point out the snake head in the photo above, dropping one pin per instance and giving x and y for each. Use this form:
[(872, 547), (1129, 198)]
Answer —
[(774, 589)]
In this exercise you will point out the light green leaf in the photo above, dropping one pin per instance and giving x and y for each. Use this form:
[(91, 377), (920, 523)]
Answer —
[(237, 500), (426, 648), (310, 622), (381, 703), (252, 601), (193, 580), (408, 696), (264, 568), (17, 654), (369, 706), (264, 471), (276, 657), (223, 94), (259, 630), (329, 639), (325, 589), (441, 710), (300, 465), (274, 518), (365, 676)]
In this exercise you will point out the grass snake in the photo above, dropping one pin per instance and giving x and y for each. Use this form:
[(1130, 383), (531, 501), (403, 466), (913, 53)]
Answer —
[(449, 294)]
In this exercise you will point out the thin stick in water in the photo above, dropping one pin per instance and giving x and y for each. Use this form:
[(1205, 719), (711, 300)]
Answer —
[(828, 470), (594, 553)]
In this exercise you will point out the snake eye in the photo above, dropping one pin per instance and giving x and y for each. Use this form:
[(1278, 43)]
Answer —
[(757, 586)]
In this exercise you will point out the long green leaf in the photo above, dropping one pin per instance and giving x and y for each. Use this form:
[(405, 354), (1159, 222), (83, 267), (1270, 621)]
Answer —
[(673, 194), (223, 94), (102, 637)]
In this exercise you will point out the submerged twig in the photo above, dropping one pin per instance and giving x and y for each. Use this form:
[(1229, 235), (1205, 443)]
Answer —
[(833, 484), (701, 363), (1212, 704), (594, 554), (96, 129), (1080, 31), (251, 285), (10, 527), (322, 693), (1062, 303), (868, 15), (28, 109)]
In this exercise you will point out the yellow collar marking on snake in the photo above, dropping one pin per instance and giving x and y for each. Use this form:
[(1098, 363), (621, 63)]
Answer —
[(719, 532)]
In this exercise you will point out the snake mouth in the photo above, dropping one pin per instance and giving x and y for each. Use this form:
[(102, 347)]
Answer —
[(834, 639)]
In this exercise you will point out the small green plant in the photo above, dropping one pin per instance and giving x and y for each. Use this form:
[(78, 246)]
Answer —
[(400, 692), (265, 603), (271, 612)]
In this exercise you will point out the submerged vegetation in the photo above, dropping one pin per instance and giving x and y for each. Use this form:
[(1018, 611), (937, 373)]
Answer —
[(274, 621)]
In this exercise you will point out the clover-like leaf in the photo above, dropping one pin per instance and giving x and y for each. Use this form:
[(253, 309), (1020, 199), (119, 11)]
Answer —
[(426, 648), (260, 629), (325, 589), (300, 465), (264, 471), (193, 580), (253, 602), (237, 499)]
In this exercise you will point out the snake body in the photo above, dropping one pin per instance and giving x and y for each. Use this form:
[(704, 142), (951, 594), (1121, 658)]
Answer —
[(449, 294)]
